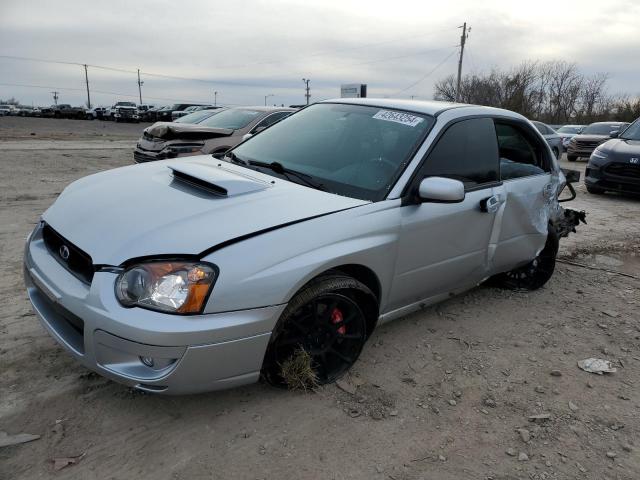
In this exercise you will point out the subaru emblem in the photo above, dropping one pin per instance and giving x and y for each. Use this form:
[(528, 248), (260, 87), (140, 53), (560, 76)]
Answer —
[(64, 252), (635, 160)]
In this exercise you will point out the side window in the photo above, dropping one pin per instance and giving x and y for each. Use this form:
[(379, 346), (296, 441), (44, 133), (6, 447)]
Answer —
[(467, 152), (520, 156)]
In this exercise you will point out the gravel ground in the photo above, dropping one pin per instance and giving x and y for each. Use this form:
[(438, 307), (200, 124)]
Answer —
[(447, 393)]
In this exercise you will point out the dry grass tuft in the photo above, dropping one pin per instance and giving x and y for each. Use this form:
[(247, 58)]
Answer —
[(298, 373)]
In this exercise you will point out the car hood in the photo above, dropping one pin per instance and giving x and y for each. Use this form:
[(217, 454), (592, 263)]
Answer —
[(179, 208), (622, 147), (592, 138), (187, 131)]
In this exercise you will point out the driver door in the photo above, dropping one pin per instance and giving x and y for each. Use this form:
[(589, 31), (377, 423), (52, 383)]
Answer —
[(443, 247)]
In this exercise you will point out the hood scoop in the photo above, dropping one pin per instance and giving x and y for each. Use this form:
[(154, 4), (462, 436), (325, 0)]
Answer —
[(216, 179)]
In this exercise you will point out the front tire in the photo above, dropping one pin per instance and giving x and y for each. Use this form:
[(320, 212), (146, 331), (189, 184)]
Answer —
[(594, 190), (571, 158), (328, 320), (534, 274)]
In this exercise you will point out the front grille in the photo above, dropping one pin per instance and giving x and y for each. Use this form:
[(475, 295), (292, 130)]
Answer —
[(623, 170), (72, 258), (587, 144)]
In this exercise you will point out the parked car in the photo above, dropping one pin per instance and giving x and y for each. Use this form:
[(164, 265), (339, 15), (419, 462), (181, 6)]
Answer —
[(213, 135), (63, 110), (25, 111), (5, 110), (583, 144), (551, 136), (96, 113), (123, 112), (143, 108), (615, 164), (165, 114), (567, 132), (149, 115), (304, 238)]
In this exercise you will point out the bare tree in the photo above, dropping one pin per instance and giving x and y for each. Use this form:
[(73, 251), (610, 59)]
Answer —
[(554, 91)]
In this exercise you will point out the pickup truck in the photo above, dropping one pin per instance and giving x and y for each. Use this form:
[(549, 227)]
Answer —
[(123, 112), (64, 110)]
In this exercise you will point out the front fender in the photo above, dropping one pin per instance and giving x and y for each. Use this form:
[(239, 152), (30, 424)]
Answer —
[(270, 268)]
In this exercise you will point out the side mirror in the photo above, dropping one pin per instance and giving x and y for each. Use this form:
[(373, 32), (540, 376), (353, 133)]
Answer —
[(440, 189), (247, 136), (614, 133)]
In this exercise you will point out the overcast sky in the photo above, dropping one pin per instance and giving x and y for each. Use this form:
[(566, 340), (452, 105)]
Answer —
[(245, 50)]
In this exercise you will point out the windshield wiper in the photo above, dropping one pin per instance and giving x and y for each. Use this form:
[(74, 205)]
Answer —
[(277, 167)]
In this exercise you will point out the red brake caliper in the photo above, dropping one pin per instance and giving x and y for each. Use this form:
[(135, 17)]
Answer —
[(336, 317)]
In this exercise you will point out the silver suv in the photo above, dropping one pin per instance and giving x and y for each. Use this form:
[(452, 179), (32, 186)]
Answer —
[(201, 273)]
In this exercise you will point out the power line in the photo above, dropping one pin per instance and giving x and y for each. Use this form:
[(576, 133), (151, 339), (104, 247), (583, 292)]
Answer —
[(421, 79), (109, 93), (178, 77)]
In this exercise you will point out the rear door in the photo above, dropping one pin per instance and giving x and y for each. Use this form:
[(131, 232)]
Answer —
[(522, 219), (443, 247)]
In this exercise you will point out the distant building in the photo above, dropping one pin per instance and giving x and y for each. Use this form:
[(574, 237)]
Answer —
[(353, 90)]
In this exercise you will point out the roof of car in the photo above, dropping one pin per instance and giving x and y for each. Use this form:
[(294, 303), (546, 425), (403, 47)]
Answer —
[(265, 109), (432, 107)]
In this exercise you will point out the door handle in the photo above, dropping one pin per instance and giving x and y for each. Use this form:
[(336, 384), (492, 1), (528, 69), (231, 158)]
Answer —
[(490, 204)]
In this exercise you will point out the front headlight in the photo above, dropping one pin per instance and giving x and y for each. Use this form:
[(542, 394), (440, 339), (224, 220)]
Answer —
[(172, 286), (185, 148), (599, 154)]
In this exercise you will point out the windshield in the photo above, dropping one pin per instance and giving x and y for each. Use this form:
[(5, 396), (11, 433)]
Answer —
[(632, 132), (601, 128), (125, 104), (568, 129), (352, 150), (197, 117), (233, 118)]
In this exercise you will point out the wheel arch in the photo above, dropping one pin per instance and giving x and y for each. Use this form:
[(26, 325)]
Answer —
[(364, 275)]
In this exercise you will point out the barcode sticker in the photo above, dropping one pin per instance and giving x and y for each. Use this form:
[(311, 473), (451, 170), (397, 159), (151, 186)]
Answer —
[(398, 117)]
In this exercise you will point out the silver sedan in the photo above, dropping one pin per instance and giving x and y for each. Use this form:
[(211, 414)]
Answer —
[(198, 274)]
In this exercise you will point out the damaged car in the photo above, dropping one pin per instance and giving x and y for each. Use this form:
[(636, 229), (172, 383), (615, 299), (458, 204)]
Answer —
[(213, 135), (201, 274)]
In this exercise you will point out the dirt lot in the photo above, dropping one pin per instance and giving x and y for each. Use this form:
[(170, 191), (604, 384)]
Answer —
[(443, 394)]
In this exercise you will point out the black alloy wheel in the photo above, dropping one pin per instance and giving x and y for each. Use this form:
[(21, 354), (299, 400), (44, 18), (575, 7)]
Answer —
[(327, 321)]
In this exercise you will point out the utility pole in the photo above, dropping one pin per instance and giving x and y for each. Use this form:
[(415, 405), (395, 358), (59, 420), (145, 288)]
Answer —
[(86, 79), (55, 97), (215, 99), (267, 96), (307, 94), (463, 39), (140, 83)]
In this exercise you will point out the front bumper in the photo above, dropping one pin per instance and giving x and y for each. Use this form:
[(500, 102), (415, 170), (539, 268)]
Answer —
[(189, 354), (613, 176), (577, 151)]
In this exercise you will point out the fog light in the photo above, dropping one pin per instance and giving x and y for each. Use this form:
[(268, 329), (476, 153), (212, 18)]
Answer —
[(148, 361)]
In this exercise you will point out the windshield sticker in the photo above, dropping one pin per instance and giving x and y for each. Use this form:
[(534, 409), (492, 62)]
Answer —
[(398, 117)]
